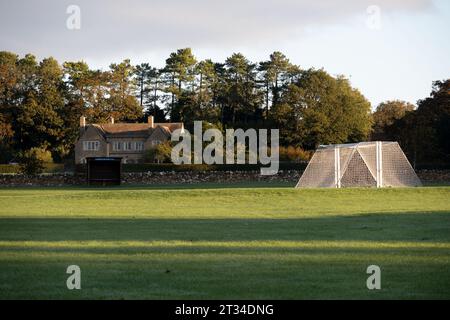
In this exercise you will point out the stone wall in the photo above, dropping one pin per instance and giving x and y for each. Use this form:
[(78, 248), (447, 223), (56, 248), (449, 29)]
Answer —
[(147, 178), (434, 176), (208, 176), (46, 180)]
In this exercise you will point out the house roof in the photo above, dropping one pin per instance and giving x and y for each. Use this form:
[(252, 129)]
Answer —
[(136, 130)]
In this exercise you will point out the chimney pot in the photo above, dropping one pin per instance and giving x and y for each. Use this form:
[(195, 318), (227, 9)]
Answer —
[(111, 119), (150, 121)]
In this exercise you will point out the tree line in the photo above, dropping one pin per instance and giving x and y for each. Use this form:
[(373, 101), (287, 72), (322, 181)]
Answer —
[(423, 132), (41, 101)]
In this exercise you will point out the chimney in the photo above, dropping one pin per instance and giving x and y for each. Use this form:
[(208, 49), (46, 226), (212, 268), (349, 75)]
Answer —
[(150, 121), (111, 119), (82, 124)]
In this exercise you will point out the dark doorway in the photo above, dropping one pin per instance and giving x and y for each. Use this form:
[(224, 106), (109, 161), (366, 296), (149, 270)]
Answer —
[(104, 171)]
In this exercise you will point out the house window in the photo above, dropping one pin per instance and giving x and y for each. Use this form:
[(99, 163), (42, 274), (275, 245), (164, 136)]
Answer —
[(128, 146), (139, 146), (155, 143), (117, 146), (91, 145)]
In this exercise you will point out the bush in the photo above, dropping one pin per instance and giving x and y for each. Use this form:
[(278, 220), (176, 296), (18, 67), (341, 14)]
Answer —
[(43, 155), (294, 154), (30, 162), (48, 168), (160, 154), (9, 168)]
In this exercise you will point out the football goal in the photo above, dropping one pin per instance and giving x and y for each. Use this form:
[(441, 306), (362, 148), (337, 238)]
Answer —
[(365, 164)]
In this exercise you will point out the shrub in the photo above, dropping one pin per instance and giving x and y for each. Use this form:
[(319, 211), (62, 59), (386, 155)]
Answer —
[(30, 162), (294, 154), (9, 168), (161, 153), (43, 154)]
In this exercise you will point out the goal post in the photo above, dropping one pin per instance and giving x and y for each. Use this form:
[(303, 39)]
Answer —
[(379, 159), (337, 167), (365, 164)]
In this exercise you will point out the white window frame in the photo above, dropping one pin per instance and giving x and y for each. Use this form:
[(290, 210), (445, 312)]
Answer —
[(128, 146), (117, 146), (93, 145), (139, 146)]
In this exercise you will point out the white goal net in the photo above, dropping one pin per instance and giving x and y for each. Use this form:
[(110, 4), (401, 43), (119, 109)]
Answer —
[(365, 164)]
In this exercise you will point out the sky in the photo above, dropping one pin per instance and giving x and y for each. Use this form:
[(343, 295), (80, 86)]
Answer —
[(389, 49)]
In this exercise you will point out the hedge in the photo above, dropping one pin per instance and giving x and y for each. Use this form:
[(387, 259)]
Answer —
[(165, 167), (48, 168), (9, 168)]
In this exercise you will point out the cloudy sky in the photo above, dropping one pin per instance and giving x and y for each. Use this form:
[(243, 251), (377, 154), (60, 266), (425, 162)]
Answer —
[(390, 49)]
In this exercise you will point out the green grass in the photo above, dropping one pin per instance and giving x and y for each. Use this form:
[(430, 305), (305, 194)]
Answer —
[(216, 242)]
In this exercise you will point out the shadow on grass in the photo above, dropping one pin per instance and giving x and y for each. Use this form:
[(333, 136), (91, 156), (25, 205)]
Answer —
[(432, 226), (219, 259)]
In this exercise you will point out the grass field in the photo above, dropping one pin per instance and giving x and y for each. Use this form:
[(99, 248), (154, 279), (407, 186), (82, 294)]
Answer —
[(220, 242)]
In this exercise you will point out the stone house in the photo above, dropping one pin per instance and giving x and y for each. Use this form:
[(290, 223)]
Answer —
[(129, 141)]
